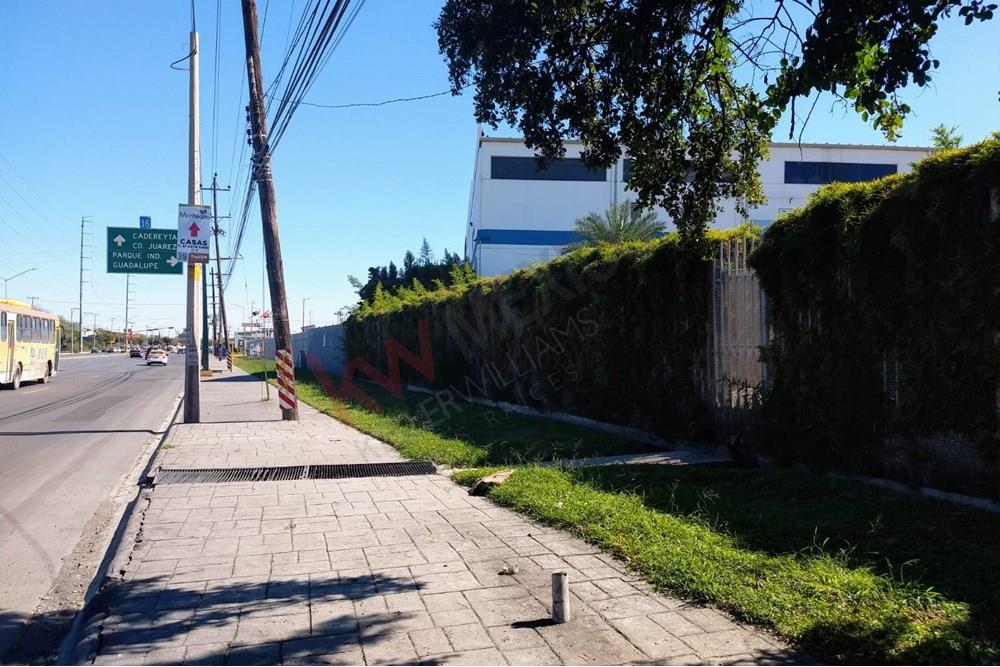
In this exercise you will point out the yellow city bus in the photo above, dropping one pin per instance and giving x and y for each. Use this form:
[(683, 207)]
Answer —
[(29, 344)]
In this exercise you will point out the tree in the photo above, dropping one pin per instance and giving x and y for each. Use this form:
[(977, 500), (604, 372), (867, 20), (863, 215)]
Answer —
[(691, 89), (619, 223), (945, 137), (389, 281), (426, 255)]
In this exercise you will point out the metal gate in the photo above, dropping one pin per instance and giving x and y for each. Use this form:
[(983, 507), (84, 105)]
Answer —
[(737, 330)]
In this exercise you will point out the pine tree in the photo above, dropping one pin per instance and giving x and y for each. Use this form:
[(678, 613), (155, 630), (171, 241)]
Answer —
[(408, 262), (426, 255)]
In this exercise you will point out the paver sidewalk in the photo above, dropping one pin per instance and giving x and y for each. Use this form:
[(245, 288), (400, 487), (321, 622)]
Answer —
[(370, 571)]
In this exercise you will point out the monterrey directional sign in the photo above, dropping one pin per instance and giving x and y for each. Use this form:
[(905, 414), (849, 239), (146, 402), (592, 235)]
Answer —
[(132, 250)]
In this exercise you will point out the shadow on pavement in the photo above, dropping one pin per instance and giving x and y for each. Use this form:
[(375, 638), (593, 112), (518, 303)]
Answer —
[(321, 619)]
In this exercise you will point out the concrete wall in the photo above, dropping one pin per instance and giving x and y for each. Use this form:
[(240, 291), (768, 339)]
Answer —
[(327, 343), (532, 206)]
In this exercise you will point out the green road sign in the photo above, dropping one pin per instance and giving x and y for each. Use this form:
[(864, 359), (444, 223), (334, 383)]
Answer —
[(132, 250)]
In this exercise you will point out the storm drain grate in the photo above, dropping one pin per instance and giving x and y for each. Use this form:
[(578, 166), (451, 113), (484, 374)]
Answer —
[(348, 470), (285, 473)]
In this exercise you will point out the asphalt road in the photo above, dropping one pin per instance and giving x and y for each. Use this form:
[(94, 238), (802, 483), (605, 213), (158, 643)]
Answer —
[(66, 451)]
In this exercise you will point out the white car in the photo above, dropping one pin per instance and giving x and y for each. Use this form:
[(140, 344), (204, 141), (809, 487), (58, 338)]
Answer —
[(156, 357)]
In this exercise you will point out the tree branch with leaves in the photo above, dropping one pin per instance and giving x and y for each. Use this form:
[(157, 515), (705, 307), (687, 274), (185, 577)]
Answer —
[(691, 90)]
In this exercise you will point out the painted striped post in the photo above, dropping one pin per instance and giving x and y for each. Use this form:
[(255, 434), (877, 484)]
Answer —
[(286, 379), (229, 359)]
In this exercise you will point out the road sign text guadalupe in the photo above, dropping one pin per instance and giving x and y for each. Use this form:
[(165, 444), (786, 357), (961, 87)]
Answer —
[(132, 250)]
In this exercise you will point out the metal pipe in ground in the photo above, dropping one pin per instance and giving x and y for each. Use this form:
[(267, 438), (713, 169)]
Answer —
[(560, 597)]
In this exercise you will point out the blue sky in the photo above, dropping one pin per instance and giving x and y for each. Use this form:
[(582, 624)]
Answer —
[(95, 123)]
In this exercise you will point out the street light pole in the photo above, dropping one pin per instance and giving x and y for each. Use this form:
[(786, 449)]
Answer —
[(304, 313), (6, 280)]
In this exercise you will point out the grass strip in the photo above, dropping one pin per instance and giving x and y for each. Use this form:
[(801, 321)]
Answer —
[(850, 573), (721, 536), (457, 433)]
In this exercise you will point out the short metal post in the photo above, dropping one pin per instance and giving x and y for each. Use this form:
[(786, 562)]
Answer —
[(560, 597)]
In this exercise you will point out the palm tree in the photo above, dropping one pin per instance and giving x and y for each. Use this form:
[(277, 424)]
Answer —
[(620, 223)]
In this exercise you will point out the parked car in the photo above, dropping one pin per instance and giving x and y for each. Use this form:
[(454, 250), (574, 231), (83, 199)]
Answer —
[(156, 357)]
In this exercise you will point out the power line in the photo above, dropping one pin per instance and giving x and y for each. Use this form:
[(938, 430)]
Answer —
[(26, 183), (215, 85), (316, 38), (379, 104), (310, 47), (36, 228), (304, 76), (180, 60)]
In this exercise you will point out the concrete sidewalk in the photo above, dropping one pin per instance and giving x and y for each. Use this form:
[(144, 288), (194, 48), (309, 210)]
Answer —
[(382, 570)]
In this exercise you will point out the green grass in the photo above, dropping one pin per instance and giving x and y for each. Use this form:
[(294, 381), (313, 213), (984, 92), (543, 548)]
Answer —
[(460, 434), (848, 572)]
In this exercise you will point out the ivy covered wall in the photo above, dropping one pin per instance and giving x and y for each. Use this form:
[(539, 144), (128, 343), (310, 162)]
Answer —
[(883, 297), (611, 333), (885, 301)]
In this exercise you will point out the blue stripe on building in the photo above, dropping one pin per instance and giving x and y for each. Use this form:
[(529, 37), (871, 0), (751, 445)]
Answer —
[(526, 237)]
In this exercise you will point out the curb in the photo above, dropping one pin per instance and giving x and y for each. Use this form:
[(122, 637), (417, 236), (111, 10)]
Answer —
[(81, 643)]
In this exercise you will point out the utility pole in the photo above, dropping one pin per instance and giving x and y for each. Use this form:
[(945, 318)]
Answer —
[(215, 321), (128, 296), (269, 216), (83, 221), (304, 313), (217, 231), (33, 299), (205, 369), (192, 389)]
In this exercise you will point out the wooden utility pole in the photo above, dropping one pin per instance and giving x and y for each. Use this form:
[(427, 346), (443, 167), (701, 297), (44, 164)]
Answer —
[(269, 216)]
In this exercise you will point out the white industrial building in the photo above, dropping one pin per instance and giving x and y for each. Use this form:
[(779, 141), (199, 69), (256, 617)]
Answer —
[(519, 216)]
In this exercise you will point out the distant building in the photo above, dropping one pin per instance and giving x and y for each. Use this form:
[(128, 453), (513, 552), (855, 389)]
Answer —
[(519, 216)]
